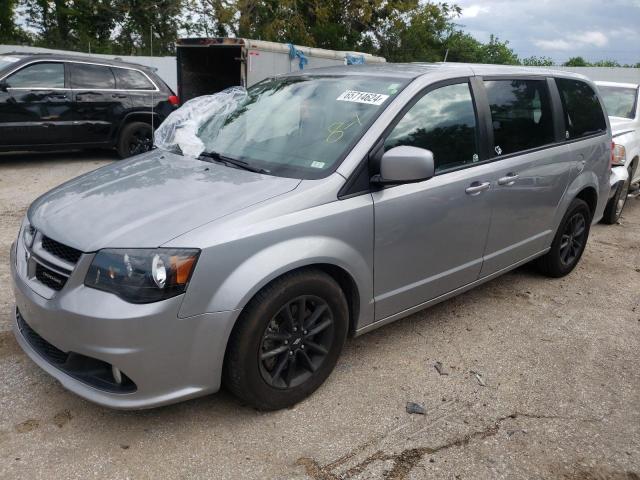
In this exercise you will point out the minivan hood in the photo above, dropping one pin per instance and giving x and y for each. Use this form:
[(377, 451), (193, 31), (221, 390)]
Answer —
[(148, 200)]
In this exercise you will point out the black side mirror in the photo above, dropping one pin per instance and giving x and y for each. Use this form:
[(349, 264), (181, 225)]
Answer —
[(405, 165), (4, 86)]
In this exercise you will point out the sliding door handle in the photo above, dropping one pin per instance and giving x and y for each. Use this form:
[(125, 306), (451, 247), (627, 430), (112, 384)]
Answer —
[(508, 179), (476, 187)]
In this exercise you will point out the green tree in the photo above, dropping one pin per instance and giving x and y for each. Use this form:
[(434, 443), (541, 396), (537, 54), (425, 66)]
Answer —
[(576, 62), (149, 23), (497, 52), (52, 21), (462, 47), (9, 31), (534, 61), (605, 63)]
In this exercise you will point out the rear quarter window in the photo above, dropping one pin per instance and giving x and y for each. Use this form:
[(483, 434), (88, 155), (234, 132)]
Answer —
[(131, 80), (582, 110)]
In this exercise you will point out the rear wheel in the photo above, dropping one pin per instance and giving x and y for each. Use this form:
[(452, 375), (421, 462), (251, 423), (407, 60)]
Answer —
[(135, 138), (287, 340), (569, 242), (613, 211)]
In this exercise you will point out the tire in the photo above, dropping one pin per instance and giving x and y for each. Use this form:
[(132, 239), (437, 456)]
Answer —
[(557, 262), (135, 138), (282, 379), (613, 211)]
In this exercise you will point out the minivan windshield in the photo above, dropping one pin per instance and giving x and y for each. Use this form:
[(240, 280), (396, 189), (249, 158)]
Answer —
[(619, 101), (299, 126)]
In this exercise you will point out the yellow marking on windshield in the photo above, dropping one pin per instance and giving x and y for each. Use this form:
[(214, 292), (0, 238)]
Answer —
[(337, 129)]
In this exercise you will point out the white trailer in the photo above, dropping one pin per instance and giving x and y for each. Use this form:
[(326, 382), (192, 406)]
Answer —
[(209, 65)]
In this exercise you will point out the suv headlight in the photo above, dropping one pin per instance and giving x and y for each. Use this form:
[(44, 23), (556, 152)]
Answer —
[(142, 275)]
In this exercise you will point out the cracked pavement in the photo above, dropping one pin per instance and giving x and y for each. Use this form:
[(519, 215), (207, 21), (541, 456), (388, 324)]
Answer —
[(559, 359)]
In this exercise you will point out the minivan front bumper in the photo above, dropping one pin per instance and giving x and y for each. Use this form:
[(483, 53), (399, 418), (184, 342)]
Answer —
[(167, 358)]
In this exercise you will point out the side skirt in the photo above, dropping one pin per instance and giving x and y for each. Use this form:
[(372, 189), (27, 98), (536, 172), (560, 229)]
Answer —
[(446, 296)]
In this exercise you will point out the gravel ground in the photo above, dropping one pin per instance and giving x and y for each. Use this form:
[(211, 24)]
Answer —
[(557, 391)]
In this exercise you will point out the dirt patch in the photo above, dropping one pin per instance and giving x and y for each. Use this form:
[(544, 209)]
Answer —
[(8, 344), (61, 418), (27, 425)]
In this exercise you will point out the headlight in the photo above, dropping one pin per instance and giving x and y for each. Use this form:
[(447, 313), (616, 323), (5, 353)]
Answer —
[(28, 234), (142, 275)]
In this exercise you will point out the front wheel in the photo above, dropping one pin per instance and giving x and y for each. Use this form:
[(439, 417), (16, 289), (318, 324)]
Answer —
[(569, 242), (135, 138), (613, 211), (287, 340)]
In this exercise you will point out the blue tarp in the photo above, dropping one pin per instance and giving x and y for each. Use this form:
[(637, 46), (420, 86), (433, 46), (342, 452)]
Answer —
[(355, 59), (294, 52)]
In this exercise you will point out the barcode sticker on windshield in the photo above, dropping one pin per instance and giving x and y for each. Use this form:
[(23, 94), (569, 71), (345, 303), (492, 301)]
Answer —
[(362, 97)]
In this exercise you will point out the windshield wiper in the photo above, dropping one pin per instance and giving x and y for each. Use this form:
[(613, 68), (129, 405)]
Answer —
[(232, 161)]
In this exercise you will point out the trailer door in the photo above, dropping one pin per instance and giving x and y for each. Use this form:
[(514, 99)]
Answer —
[(207, 69)]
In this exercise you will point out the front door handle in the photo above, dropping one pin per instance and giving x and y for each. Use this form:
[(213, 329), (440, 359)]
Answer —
[(508, 179), (476, 188)]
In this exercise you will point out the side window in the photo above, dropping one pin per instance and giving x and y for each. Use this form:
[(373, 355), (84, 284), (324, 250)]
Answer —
[(582, 111), (131, 80), (442, 121), (91, 76), (521, 114), (39, 75)]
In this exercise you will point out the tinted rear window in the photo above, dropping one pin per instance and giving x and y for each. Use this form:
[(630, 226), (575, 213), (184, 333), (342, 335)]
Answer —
[(582, 111), (520, 113), (91, 76), (131, 80)]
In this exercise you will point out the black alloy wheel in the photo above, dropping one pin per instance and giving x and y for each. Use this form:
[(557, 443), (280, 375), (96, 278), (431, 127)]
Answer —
[(569, 242), (573, 239), (287, 340), (139, 141), (296, 342), (135, 138)]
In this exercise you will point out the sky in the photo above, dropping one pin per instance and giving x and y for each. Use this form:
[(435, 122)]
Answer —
[(560, 29)]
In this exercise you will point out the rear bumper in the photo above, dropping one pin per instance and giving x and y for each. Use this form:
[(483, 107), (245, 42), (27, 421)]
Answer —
[(167, 358)]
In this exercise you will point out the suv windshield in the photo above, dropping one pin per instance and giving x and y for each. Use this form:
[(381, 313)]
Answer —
[(619, 101), (300, 126)]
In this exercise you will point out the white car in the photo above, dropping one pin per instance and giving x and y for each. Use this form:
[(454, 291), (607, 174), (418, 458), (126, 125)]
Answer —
[(622, 101)]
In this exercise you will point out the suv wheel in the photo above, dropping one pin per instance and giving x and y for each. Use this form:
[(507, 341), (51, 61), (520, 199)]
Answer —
[(615, 206), (287, 341), (135, 138), (569, 242)]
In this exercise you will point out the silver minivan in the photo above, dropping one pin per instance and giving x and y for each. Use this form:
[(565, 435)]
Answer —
[(324, 204)]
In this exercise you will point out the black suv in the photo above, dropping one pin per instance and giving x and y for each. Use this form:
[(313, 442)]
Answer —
[(61, 101)]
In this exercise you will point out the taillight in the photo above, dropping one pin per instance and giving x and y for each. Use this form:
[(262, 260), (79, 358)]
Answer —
[(173, 100), (618, 154)]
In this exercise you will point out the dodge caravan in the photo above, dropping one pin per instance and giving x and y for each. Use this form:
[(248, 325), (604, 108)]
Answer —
[(318, 205)]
